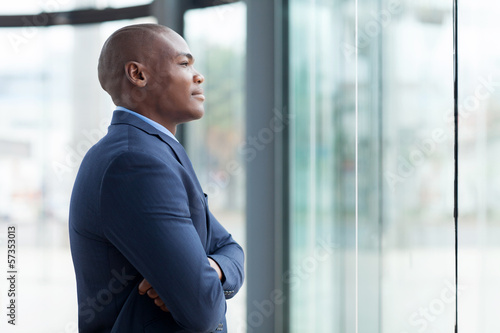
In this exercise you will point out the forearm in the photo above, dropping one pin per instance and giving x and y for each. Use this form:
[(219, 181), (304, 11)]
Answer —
[(146, 288), (230, 260)]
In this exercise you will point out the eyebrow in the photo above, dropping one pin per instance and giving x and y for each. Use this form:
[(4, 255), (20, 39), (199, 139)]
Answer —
[(188, 55)]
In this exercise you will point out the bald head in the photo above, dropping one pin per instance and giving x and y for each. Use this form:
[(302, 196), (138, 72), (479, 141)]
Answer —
[(131, 43), (149, 69)]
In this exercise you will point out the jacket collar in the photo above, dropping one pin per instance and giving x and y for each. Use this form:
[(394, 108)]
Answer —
[(122, 117)]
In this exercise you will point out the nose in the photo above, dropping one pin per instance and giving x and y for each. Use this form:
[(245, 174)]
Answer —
[(198, 78)]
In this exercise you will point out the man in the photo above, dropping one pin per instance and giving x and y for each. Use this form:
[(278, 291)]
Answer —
[(139, 221)]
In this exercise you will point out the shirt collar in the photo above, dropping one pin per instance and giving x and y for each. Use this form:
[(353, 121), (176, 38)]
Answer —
[(149, 121)]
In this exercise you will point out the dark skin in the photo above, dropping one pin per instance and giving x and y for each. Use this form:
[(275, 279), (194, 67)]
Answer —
[(149, 69)]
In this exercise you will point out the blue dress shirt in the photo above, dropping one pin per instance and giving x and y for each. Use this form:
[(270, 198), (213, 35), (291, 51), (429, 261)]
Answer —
[(149, 121)]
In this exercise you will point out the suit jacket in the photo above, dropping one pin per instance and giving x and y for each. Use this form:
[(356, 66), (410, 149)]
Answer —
[(138, 211)]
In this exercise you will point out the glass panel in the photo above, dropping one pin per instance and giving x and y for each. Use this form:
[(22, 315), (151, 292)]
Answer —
[(371, 20), (322, 104), (52, 109), (479, 182), (216, 37), (416, 244), (404, 278)]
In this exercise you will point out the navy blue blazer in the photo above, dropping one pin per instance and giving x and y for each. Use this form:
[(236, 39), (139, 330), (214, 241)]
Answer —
[(138, 211)]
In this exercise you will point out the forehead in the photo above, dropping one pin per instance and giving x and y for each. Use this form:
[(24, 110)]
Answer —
[(171, 44)]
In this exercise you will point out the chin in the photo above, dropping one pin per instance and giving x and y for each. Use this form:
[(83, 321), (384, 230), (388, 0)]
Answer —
[(198, 114), (193, 116)]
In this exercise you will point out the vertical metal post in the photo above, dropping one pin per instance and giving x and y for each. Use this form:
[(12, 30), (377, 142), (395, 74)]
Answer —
[(267, 177), (171, 14), (455, 97)]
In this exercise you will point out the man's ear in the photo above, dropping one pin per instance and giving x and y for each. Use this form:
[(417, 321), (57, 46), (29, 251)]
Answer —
[(136, 73)]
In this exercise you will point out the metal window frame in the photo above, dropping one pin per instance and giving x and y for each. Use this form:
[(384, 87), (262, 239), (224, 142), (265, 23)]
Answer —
[(75, 17), (267, 193), (89, 16)]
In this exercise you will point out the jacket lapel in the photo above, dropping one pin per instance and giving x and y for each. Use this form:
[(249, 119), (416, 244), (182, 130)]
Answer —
[(121, 117)]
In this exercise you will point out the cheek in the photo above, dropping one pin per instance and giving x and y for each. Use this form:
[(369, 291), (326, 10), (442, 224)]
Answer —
[(184, 89)]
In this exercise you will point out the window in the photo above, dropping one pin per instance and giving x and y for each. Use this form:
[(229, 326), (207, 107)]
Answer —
[(216, 37), (322, 104), (402, 278), (53, 110)]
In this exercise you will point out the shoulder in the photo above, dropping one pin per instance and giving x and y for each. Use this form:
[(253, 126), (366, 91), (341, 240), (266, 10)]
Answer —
[(139, 162), (128, 144), (142, 182)]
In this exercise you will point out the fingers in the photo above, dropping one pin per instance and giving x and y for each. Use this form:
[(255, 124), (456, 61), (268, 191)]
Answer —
[(144, 286), (159, 302), (152, 293)]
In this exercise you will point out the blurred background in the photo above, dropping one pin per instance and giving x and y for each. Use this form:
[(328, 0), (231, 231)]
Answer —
[(295, 106)]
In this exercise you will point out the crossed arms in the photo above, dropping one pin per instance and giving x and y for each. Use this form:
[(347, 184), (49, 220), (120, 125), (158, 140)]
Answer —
[(146, 288), (154, 227)]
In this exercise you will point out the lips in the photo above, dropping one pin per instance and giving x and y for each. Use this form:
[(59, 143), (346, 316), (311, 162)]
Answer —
[(198, 94)]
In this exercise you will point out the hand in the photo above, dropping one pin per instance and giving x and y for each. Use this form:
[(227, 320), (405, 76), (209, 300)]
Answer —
[(146, 288), (215, 266)]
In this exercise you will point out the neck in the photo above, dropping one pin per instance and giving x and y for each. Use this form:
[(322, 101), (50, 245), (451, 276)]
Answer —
[(144, 111)]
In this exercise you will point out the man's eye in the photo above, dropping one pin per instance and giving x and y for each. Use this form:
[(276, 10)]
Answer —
[(185, 63)]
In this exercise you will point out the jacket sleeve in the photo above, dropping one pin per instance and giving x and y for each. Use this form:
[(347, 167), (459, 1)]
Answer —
[(229, 256), (145, 213)]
